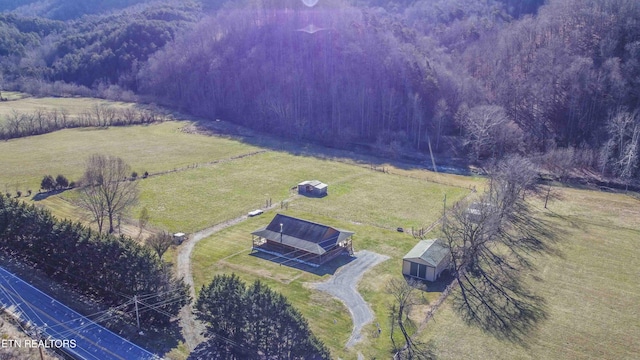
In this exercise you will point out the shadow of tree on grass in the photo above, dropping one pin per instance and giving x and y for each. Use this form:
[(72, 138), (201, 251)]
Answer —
[(503, 307), (494, 293), (495, 243)]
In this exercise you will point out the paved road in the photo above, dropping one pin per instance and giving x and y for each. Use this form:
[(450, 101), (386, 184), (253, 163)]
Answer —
[(343, 285), (61, 323)]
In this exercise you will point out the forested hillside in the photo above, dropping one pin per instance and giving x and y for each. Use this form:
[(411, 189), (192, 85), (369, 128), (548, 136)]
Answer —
[(64, 9), (557, 80), (92, 51)]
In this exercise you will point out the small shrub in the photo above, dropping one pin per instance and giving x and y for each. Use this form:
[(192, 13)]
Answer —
[(48, 183), (145, 175), (72, 184), (62, 182), (29, 192), (134, 175), (18, 193)]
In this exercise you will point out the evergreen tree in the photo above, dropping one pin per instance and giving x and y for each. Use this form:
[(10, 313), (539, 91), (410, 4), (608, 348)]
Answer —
[(252, 323), (110, 266), (61, 182), (48, 183)]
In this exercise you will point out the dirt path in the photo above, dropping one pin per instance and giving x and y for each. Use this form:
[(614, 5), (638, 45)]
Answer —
[(343, 285), (191, 328)]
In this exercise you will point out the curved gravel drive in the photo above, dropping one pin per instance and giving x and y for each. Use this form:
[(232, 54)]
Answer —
[(343, 286), (191, 328)]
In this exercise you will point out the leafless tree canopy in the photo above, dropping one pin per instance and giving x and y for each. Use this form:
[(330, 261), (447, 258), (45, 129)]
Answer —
[(160, 243), (492, 240), (488, 131), (406, 294), (621, 153), (106, 191)]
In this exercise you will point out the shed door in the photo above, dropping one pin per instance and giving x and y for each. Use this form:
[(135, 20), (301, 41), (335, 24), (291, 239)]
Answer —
[(418, 270)]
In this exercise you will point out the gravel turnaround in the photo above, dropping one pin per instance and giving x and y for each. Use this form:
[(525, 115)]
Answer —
[(343, 285)]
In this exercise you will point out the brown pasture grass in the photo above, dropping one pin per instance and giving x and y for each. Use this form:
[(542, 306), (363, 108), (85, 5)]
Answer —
[(591, 288)]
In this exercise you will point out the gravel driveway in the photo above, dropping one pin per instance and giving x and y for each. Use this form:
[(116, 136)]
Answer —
[(343, 285), (191, 328)]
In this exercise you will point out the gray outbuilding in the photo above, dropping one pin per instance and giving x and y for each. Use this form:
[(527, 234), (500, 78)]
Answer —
[(427, 260), (313, 188)]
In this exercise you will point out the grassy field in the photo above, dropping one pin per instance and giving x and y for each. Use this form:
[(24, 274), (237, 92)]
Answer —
[(591, 289), (22, 104), (372, 204), (229, 251), (192, 200), (213, 186), (14, 95), (154, 148)]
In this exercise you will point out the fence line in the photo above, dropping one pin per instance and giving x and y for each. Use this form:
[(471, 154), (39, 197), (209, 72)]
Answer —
[(209, 163), (386, 170)]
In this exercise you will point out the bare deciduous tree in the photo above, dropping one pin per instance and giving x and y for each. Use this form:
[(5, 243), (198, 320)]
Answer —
[(621, 154), (491, 242), (488, 130), (406, 294), (160, 243), (105, 190), (92, 201)]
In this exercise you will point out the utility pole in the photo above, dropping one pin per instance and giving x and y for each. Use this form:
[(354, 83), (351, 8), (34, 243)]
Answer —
[(547, 197), (444, 211), (135, 300), (281, 245)]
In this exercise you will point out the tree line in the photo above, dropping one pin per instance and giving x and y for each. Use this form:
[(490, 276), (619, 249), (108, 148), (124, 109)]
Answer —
[(493, 241), (15, 124), (109, 269)]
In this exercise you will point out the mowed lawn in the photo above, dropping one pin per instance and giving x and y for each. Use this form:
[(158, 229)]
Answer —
[(194, 199), (153, 148), (372, 204), (591, 289), (201, 197), (384, 200), (230, 251)]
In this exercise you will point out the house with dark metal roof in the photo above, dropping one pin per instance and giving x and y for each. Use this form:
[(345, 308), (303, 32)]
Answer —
[(302, 240), (426, 260), (313, 188)]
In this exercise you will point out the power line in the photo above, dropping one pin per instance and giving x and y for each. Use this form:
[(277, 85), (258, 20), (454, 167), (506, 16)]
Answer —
[(21, 298)]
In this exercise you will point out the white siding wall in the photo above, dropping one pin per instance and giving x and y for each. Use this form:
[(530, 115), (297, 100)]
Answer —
[(431, 273), (406, 267)]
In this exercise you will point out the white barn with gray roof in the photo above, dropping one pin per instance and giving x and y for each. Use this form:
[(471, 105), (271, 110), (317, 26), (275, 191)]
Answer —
[(426, 260), (313, 188)]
